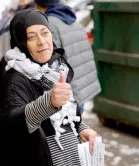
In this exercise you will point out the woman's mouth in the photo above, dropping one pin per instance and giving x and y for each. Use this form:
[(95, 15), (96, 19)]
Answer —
[(42, 50)]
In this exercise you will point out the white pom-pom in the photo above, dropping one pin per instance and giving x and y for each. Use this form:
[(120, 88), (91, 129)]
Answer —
[(57, 124), (72, 125), (65, 121), (58, 116), (76, 119), (53, 117), (61, 130), (10, 65)]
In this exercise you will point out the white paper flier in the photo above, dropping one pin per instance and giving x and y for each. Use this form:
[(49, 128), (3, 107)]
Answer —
[(96, 158)]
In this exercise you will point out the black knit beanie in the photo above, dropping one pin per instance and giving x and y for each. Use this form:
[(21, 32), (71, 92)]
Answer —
[(45, 3), (22, 20)]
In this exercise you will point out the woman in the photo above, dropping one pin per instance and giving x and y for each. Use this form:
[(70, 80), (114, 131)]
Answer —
[(43, 126)]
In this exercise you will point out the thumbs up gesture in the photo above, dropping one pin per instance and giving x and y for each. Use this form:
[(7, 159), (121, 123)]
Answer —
[(61, 92)]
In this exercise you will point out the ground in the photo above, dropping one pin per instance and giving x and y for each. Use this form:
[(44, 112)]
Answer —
[(122, 142)]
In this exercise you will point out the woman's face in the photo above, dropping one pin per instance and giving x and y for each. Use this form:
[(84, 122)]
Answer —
[(39, 43)]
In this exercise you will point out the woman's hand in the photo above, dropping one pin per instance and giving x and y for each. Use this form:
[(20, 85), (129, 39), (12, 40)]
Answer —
[(88, 135), (61, 92)]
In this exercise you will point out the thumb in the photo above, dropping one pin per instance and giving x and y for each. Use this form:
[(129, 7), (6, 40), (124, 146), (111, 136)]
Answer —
[(62, 77)]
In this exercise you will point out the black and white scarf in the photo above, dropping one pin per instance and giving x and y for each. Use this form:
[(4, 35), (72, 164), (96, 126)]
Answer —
[(46, 76)]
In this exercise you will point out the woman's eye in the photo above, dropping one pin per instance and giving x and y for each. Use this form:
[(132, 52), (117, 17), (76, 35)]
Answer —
[(45, 34), (31, 38)]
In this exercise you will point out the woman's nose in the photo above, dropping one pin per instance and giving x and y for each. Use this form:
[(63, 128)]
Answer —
[(41, 40)]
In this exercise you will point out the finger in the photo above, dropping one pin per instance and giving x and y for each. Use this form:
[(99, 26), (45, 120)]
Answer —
[(62, 77), (91, 145), (63, 98), (64, 92), (83, 139), (64, 85)]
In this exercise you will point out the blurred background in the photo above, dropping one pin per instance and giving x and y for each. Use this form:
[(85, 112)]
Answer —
[(112, 31)]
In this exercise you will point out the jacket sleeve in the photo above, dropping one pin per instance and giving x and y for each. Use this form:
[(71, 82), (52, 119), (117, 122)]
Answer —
[(38, 110), (19, 109), (79, 125)]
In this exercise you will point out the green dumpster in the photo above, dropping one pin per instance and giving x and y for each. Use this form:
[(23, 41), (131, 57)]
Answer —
[(116, 49)]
